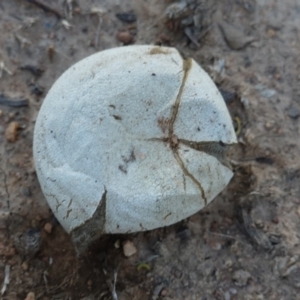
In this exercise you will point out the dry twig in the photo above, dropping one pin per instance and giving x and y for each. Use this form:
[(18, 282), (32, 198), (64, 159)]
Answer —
[(45, 7), (6, 279)]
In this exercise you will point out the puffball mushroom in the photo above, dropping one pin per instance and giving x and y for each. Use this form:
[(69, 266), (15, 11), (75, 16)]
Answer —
[(131, 139)]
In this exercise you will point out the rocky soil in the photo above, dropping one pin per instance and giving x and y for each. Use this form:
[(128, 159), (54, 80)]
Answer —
[(244, 245)]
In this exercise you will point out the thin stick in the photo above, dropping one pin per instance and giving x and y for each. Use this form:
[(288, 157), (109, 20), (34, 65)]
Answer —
[(227, 237), (45, 7), (114, 291), (6, 279), (6, 188)]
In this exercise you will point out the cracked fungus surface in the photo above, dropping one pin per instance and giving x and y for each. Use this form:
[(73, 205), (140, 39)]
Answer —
[(135, 136)]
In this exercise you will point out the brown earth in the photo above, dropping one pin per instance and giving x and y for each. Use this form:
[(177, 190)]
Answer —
[(244, 245)]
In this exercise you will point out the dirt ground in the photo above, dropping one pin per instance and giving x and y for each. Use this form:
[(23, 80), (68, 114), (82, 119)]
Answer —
[(245, 244)]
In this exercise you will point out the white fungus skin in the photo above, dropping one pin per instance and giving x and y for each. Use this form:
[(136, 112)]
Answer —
[(131, 139)]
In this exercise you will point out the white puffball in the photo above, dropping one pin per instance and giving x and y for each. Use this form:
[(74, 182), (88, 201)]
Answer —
[(131, 139)]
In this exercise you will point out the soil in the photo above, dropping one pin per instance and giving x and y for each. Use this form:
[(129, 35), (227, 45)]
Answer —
[(245, 244)]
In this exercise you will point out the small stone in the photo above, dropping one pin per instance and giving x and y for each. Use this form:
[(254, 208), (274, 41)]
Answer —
[(77, 10), (177, 273), (228, 264), (125, 37), (234, 37), (259, 224), (233, 291), (293, 112), (7, 251), (275, 239), (269, 125), (26, 191), (265, 91), (277, 76), (11, 132), (227, 296), (30, 296), (271, 33), (215, 245), (25, 265), (245, 101), (293, 276), (241, 277), (228, 221), (11, 251), (214, 242), (48, 227), (129, 249), (89, 282), (157, 290), (34, 223), (28, 243), (228, 96), (127, 17), (117, 244)]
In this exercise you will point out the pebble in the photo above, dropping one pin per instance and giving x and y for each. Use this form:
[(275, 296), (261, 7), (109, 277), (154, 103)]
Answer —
[(227, 296), (7, 251), (241, 277), (287, 263), (228, 264), (269, 125), (164, 293), (274, 239), (48, 227), (157, 290), (129, 249), (294, 275), (234, 37), (89, 282), (25, 265), (30, 296), (177, 273), (117, 244), (259, 224), (271, 33), (245, 101), (125, 37), (293, 112), (228, 95), (11, 132), (214, 244), (128, 17), (28, 243), (26, 191), (265, 91), (77, 10)]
